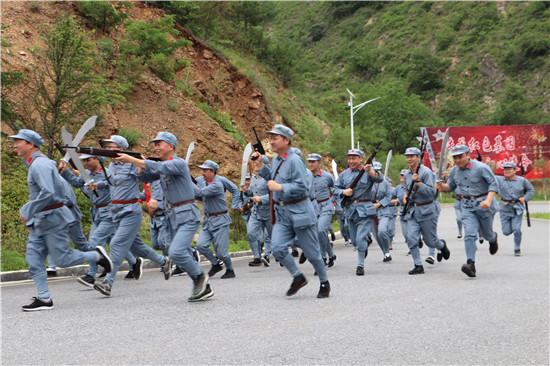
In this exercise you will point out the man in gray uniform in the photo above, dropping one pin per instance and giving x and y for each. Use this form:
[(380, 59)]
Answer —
[(215, 226), (182, 216), (380, 196), (286, 179), (478, 188), (514, 193), (423, 211), (323, 182), (360, 211), (47, 219)]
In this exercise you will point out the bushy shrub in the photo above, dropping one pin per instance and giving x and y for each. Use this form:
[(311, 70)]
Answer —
[(131, 135), (102, 14)]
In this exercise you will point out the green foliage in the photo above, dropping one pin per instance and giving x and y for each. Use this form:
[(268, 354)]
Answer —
[(424, 74), (131, 135), (102, 14), (238, 227), (224, 120), (9, 80), (512, 110), (173, 104)]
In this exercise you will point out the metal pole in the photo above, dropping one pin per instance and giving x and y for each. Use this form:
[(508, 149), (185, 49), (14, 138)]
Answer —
[(351, 116)]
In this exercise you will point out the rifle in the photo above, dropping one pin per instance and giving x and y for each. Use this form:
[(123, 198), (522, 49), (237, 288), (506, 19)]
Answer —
[(422, 152), (247, 207), (257, 146), (107, 152), (526, 205), (346, 199), (61, 150)]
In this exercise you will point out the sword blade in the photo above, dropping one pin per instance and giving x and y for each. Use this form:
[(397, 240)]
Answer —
[(189, 151), (443, 154), (67, 137), (388, 159), (86, 127), (246, 158), (334, 169)]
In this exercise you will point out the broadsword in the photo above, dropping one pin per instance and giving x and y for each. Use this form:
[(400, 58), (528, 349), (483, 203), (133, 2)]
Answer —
[(86, 127), (67, 138), (443, 155)]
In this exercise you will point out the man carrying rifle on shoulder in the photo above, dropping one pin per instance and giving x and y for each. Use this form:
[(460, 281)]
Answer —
[(360, 211), (421, 210)]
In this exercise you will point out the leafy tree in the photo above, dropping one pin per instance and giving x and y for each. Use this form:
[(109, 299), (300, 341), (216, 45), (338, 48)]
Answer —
[(67, 87), (102, 14), (512, 109), (10, 79), (425, 72)]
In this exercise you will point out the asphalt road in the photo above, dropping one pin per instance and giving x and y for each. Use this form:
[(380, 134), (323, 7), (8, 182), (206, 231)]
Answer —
[(386, 317)]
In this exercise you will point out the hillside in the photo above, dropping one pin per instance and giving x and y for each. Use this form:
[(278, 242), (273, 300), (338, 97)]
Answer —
[(153, 104)]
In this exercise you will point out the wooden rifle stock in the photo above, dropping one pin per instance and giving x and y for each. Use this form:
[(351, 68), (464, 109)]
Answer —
[(108, 152), (346, 199)]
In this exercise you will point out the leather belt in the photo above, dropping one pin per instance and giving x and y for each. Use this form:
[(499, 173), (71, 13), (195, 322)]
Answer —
[(392, 205), (171, 205), (358, 201), (473, 197), (95, 207), (52, 207), (422, 204), (286, 203), (513, 201), (215, 213), (312, 199), (325, 200), (124, 202)]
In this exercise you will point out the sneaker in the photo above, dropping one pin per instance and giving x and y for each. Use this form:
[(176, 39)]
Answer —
[(469, 268), (265, 260), (481, 241), (369, 240), (517, 253), (167, 268), (178, 272), (215, 269), (302, 259), (197, 256), (360, 271), (38, 304), (409, 253), (430, 260), (331, 261), (420, 244), (199, 285), (387, 259), (229, 273), (103, 287), (295, 253), (104, 260), (332, 236), (445, 252), (459, 236), (203, 296), (87, 281), (138, 268), (255, 263), (298, 282), (103, 274), (493, 246), (324, 290), (416, 270), (347, 242), (51, 272), (130, 276)]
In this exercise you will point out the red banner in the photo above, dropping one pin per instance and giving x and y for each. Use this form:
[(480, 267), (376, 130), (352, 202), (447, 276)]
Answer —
[(496, 144)]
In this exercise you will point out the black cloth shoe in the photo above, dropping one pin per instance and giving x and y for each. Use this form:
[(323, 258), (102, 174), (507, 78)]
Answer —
[(265, 260), (228, 274), (87, 281), (203, 296), (199, 285), (215, 269), (416, 270), (331, 261), (469, 268), (103, 287), (324, 290), (480, 240), (493, 246), (445, 252), (332, 236), (38, 304), (104, 260), (51, 272), (298, 282), (360, 271), (130, 276), (430, 260), (178, 272), (517, 253), (295, 253), (420, 244), (387, 259), (103, 274), (302, 259), (255, 263), (138, 268)]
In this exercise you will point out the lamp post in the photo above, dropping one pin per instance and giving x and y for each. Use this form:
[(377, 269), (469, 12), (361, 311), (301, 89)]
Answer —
[(354, 110)]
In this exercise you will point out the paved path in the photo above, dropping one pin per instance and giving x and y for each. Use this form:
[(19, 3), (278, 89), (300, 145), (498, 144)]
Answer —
[(385, 317)]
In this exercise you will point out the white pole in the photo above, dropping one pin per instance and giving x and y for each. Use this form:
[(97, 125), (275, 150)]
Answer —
[(351, 116)]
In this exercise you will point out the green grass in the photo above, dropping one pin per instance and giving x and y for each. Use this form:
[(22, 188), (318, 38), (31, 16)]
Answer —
[(539, 215)]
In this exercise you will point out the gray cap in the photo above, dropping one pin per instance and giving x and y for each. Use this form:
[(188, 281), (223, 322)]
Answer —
[(30, 136), (87, 156), (413, 151), (509, 164), (281, 130), (166, 137), (459, 150), (119, 140), (209, 164), (356, 152), (403, 171), (314, 157), (377, 165), (296, 151)]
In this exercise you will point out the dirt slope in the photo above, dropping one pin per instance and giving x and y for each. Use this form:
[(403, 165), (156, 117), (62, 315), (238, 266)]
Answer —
[(211, 77)]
